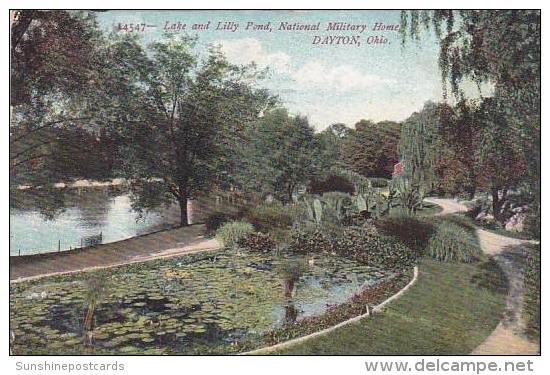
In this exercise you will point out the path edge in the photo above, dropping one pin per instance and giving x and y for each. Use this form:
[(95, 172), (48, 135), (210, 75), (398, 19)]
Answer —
[(378, 308), (125, 263)]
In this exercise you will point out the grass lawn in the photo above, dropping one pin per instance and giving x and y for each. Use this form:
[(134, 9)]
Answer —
[(451, 309)]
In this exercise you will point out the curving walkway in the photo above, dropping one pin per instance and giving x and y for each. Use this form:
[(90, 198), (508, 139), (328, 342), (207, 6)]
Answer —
[(507, 338)]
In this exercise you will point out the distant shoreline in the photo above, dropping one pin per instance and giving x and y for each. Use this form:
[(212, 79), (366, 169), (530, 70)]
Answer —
[(76, 184)]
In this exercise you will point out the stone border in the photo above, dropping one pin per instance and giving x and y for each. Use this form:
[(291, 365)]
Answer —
[(376, 309)]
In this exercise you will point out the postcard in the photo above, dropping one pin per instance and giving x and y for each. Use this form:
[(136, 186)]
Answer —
[(261, 182)]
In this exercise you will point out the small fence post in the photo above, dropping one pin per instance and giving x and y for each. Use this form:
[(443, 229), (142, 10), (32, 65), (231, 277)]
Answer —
[(58, 245), (81, 242), (19, 252)]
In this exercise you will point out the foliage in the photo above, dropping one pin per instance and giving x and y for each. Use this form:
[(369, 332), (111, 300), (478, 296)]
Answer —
[(292, 269), (452, 242), (419, 148), (176, 109), (290, 162), (329, 147), (409, 196), (267, 216), (367, 246), (232, 233), (167, 306), (502, 164), (360, 243), (371, 149), (531, 303), (378, 182), (500, 48), (409, 230), (330, 184), (460, 130), (53, 61), (46, 48), (532, 222), (310, 239), (258, 242), (315, 211), (216, 219), (96, 290)]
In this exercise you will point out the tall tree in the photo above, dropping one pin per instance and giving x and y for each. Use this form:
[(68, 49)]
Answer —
[(371, 149), (329, 142), (52, 62), (176, 110), (502, 163), (418, 146), (279, 154), (499, 47), (460, 130)]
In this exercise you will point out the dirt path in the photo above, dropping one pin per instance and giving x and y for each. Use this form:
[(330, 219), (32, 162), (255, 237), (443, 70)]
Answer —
[(139, 249), (450, 206), (507, 338)]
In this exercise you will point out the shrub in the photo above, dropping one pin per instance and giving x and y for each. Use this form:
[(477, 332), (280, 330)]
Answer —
[(332, 183), (365, 245), (267, 216), (361, 243), (258, 242), (409, 230), (378, 182), (229, 234), (216, 219), (410, 196), (453, 242), (310, 239)]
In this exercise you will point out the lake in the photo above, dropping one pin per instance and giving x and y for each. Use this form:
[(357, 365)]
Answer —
[(43, 220)]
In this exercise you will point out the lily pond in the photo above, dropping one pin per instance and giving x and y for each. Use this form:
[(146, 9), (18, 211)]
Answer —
[(209, 303)]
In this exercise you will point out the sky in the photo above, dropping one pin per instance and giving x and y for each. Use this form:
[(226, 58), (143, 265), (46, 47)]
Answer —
[(328, 83)]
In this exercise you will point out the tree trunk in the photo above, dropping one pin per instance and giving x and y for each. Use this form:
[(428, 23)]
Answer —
[(289, 193), (471, 190), (183, 211), (472, 184)]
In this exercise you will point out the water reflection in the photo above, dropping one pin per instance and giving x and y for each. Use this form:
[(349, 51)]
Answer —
[(44, 220)]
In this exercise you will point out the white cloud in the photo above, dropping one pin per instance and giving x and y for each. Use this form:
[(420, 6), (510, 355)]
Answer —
[(247, 50), (343, 77)]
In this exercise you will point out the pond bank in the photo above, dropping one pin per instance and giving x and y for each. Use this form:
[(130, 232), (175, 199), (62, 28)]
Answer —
[(214, 302), (450, 310), (354, 320), (162, 244)]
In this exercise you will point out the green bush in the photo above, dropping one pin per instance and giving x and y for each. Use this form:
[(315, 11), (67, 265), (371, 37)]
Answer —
[(229, 234), (409, 230), (365, 245), (453, 242), (332, 183), (267, 216), (307, 239), (531, 302), (258, 242), (361, 243), (216, 219), (378, 182)]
